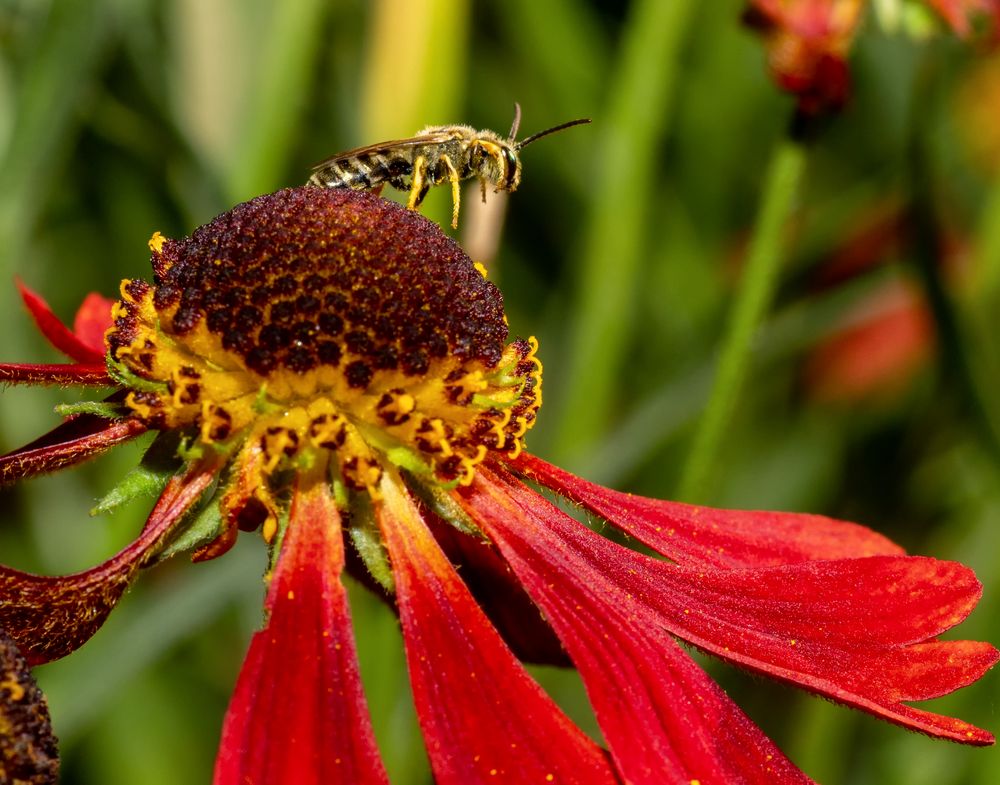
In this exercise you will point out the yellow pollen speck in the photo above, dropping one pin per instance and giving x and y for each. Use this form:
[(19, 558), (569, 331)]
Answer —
[(695, 782), (156, 242), (493, 772), (482, 269), (549, 778), (792, 642), (269, 529), (15, 690)]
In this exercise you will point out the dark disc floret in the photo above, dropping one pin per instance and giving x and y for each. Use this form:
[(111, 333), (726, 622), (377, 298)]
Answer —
[(304, 276)]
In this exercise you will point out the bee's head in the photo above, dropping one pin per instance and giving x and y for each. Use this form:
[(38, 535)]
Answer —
[(497, 161)]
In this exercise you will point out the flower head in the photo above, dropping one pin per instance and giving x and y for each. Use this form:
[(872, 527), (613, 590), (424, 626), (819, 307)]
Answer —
[(329, 368), (808, 42)]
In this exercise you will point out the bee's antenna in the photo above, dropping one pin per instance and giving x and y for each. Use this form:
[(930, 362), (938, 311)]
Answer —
[(547, 131), (517, 121)]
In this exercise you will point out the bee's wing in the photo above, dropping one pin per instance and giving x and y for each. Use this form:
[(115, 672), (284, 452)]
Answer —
[(385, 147)]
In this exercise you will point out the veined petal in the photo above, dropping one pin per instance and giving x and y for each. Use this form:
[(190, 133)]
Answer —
[(92, 321), (845, 629), (65, 374), (483, 717), (48, 617), (298, 715), (840, 628), (80, 437), (664, 719), (57, 333), (694, 535)]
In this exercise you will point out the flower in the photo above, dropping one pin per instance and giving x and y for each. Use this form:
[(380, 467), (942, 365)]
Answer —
[(327, 366), (28, 752), (808, 41)]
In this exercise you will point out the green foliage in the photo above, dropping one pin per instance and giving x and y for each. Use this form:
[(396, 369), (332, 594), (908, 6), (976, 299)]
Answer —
[(623, 250)]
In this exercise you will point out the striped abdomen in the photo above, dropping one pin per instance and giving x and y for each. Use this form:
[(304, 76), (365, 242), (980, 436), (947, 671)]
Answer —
[(361, 172)]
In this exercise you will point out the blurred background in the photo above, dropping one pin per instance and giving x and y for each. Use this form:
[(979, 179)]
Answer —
[(872, 393)]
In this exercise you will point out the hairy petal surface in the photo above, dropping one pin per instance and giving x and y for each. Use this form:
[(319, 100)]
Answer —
[(80, 349), (80, 437), (856, 630), (860, 631), (92, 374), (693, 535), (483, 717), (298, 715), (49, 617), (664, 720)]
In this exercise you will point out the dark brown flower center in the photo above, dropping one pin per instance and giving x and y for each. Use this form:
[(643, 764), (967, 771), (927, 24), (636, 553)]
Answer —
[(315, 320)]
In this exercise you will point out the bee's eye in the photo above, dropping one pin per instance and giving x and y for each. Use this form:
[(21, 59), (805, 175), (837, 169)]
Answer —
[(510, 162)]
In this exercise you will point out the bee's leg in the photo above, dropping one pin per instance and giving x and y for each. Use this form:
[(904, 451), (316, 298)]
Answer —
[(482, 188), (418, 189), (455, 190), (377, 189)]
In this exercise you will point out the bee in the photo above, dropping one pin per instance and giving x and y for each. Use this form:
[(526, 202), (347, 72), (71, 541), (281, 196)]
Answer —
[(437, 154)]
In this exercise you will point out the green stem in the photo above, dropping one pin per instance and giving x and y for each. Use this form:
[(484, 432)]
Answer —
[(753, 299), (632, 129)]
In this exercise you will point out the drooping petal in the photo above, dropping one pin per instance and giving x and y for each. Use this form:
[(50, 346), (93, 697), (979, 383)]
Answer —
[(80, 437), (853, 630), (28, 752), (57, 333), (484, 719), (298, 715), (92, 320), (664, 720), (66, 374), (694, 535), (841, 628), (48, 617)]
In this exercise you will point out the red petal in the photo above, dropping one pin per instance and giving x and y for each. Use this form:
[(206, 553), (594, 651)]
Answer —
[(663, 718), (484, 718), (93, 319), (95, 374), (839, 628), (51, 617), (705, 536), (57, 333), (79, 438), (501, 596), (298, 715)]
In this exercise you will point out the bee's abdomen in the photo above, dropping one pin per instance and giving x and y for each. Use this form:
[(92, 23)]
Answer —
[(361, 172)]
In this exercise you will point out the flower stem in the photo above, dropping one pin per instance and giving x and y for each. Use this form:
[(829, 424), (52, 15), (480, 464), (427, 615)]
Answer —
[(752, 301)]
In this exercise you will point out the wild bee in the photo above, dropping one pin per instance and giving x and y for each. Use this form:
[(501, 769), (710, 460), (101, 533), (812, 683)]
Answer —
[(438, 153)]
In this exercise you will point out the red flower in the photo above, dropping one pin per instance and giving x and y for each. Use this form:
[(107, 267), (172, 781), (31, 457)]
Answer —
[(323, 363), (808, 41)]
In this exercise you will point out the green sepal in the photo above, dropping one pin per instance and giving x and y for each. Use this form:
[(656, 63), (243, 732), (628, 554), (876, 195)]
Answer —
[(436, 497), (367, 542), (274, 551), (149, 478), (407, 459), (109, 411), (204, 528), (121, 373)]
